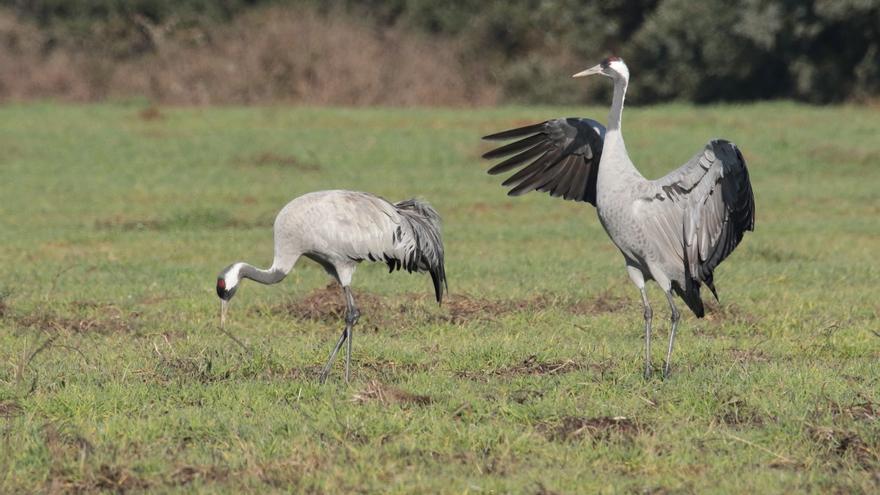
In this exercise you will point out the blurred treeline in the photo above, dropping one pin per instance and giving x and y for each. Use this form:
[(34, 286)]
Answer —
[(402, 52)]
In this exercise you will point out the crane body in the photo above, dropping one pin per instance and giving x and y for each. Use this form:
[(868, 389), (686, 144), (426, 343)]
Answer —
[(674, 230), (338, 230)]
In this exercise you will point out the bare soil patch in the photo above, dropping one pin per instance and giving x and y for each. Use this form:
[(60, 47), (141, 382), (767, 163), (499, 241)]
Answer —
[(729, 313), (376, 391), (377, 312), (271, 159), (598, 429), (118, 479), (862, 409), (524, 396), (120, 223), (385, 366), (842, 445), (10, 409), (4, 305), (188, 474), (749, 355), (533, 366), (108, 319), (737, 412), (326, 305), (604, 302), (203, 219), (187, 369), (151, 113)]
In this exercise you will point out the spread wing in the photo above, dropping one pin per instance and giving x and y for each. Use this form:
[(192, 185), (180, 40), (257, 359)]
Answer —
[(558, 156), (714, 190)]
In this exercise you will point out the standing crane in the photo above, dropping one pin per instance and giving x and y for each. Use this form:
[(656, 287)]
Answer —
[(674, 230), (339, 229)]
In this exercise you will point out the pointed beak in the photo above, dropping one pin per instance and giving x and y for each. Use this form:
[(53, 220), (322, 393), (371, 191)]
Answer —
[(596, 69), (224, 306)]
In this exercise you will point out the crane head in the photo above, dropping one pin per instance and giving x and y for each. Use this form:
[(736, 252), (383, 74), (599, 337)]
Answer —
[(612, 67), (224, 290), (227, 284)]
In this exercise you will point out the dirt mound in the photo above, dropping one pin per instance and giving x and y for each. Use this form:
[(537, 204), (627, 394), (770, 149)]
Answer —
[(598, 429), (376, 391), (107, 319), (10, 409), (377, 312), (842, 445)]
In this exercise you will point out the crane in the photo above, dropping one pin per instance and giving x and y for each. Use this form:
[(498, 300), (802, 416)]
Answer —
[(338, 230), (674, 230)]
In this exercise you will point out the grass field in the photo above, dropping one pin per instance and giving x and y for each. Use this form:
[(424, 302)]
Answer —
[(116, 219)]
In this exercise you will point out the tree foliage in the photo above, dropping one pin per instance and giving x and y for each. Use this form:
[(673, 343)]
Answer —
[(702, 51)]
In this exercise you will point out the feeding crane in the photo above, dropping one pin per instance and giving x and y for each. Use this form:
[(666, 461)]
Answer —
[(674, 230), (338, 230)]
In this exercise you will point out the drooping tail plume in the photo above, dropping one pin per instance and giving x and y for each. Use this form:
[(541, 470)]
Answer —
[(423, 242)]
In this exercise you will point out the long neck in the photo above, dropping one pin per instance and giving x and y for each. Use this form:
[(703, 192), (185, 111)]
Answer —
[(271, 276), (616, 112), (615, 165)]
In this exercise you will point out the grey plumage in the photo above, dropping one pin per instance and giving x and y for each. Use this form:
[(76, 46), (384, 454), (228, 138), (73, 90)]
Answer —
[(674, 230), (424, 246), (338, 230), (566, 158)]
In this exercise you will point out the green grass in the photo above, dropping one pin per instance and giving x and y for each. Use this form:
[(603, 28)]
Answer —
[(115, 376)]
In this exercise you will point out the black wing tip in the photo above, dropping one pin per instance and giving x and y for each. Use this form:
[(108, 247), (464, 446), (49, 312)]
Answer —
[(515, 132), (438, 278)]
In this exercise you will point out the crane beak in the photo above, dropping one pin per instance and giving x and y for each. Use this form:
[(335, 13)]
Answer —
[(224, 306), (596, 69)]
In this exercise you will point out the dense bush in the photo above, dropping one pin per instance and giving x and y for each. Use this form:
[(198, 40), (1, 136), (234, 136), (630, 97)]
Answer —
[(819, 51), (702, 51)]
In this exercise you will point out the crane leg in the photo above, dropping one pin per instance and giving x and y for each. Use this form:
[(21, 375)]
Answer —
[(351, 317), (648, 315), (675, 317), (329, 364)]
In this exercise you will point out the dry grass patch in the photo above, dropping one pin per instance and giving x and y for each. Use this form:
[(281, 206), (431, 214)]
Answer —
[(737, 412), (386, 366), (598, 429), (10, 409), (151, 113), (186, 475), (266, 55), (406, 310), (749, 355), (842, 445), (184, 220), (271, 159), (376, 391), (729, 313), (862, 410), (533, 366), (110, 319), (603, 302)]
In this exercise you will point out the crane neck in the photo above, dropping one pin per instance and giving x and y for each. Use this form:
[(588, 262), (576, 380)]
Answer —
[(615, 166), (616, 113), (271, 276)]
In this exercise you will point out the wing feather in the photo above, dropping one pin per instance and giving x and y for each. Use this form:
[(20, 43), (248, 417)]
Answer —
[(568, 152), (716, 194)]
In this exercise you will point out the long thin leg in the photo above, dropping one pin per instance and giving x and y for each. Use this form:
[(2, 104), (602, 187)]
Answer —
[(648, 315), (675, 317), (329, 364), (351, 317)]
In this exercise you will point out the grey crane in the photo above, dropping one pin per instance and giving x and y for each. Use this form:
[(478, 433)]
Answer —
[(338, 230), (674, 230)]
